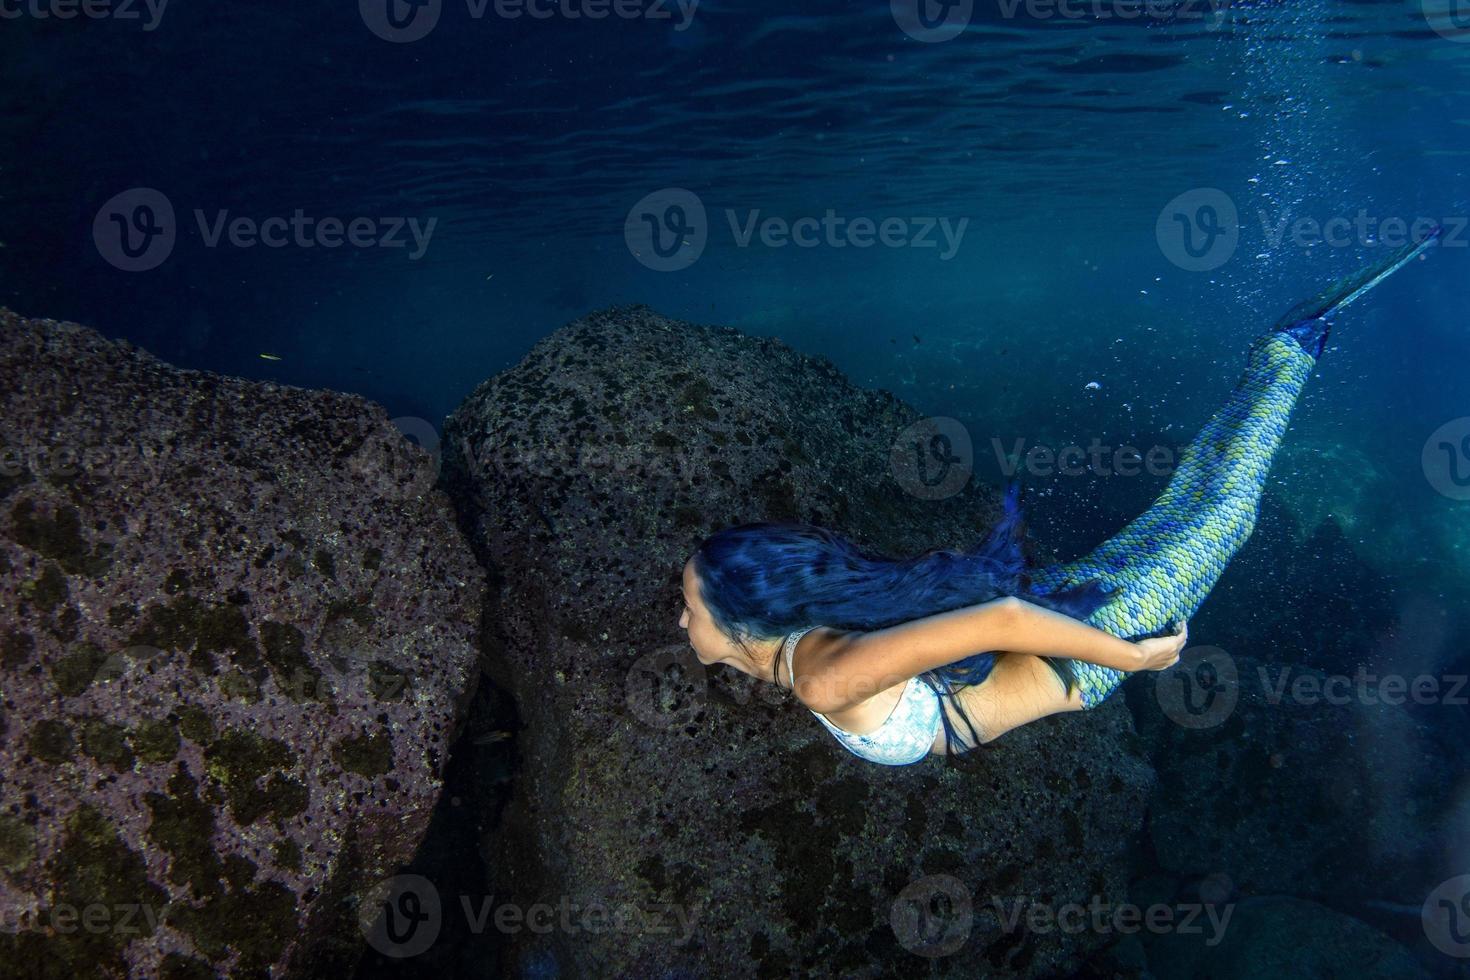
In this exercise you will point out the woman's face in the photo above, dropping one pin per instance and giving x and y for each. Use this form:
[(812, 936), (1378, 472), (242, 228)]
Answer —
[(710, 645)]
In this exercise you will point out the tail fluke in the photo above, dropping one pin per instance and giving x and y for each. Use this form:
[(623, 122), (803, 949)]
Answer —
[(1309, 320)]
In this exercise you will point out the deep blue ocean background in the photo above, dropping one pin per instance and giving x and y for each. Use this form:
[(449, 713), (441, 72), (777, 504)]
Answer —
[(1058, 139), (1061, 317)]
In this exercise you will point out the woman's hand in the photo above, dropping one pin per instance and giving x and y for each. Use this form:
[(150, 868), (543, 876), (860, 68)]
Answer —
[(1162, 652)]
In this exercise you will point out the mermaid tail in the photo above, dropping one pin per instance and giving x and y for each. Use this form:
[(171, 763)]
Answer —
[(1161, 566), (1350, 288)]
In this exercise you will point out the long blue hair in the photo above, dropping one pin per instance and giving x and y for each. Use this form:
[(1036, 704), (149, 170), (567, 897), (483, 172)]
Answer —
[(768, 579)]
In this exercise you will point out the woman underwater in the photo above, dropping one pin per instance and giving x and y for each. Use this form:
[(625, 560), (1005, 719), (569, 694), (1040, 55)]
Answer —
[(890, 654)]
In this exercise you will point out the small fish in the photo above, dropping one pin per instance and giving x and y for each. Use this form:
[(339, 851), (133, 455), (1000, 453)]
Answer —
[(271, 357), (489, 737), (916, 338), (1092, 385)]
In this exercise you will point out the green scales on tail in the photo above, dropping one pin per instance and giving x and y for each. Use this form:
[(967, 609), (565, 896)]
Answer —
[(1161, 566)]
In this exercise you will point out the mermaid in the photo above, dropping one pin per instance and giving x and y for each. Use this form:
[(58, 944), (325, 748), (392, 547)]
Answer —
[(891, 655)]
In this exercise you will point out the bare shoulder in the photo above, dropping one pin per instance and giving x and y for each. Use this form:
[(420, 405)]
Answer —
[(817, 677)]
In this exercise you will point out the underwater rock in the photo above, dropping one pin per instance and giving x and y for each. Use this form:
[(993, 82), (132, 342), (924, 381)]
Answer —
[(673, 821), (1295, 781), (1277, 936), (239, 628)]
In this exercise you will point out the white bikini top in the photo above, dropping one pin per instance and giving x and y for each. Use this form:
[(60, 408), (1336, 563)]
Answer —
[(907, 734)]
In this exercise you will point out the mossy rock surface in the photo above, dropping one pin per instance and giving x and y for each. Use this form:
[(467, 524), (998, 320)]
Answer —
[(240, 632)]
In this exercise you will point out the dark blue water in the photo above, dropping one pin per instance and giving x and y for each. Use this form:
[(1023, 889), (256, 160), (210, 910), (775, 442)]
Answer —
[(1045, 179), (1048, 144)]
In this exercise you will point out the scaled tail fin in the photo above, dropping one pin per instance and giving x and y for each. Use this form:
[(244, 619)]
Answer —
[(1309, 320)]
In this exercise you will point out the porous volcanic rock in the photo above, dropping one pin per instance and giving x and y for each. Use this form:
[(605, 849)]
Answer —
[(670, 821), (237, 631)]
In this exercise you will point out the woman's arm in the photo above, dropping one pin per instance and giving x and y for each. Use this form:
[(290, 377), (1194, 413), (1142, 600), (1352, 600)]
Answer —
[(864, 663)]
